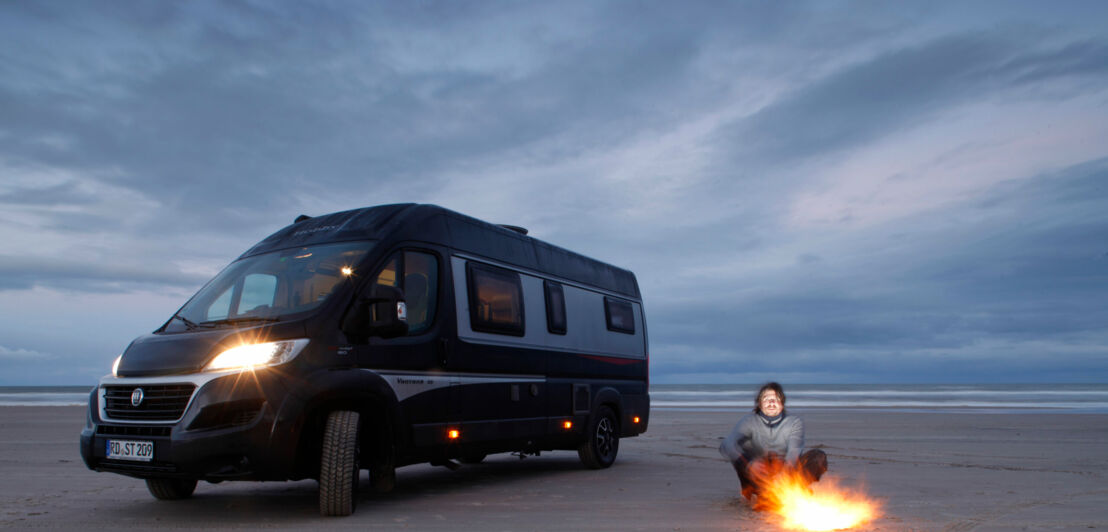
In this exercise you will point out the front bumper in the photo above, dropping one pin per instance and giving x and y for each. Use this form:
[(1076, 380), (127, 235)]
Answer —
[(236, 426)]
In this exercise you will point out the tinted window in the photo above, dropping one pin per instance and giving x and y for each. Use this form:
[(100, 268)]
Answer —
[(220, 308), (620, 316), (495, 300), (417, 275), (388, 275), (555, 307), (421, 275), (258, 292)]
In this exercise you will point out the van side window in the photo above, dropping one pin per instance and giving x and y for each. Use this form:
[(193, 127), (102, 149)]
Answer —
[(421, 275), (495, 300), (620, 316), (388, 275), (555, 307), (416, 274)]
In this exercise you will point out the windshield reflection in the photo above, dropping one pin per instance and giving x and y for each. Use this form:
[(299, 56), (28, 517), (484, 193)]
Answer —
[(271, 287)]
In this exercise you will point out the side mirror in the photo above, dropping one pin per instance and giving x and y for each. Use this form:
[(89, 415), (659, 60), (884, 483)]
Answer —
[(384, 314)]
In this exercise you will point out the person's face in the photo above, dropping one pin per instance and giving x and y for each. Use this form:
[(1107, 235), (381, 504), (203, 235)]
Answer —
[(770, 403)]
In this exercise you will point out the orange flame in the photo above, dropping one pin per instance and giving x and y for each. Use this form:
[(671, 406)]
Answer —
[(801, 505)]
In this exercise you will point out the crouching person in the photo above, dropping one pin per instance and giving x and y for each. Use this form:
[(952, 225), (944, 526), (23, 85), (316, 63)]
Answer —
[(769, 440)]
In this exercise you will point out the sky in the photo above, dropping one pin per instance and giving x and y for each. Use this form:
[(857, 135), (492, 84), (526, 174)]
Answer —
[(809, 192)]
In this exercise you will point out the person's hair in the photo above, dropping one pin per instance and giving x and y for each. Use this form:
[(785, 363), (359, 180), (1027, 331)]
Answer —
[(769, 386)]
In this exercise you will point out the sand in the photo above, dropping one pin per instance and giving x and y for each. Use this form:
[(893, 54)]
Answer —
[(932, 471)]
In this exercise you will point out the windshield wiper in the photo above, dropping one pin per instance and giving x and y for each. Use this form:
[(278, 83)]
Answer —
[(189, 324), (232, 321)]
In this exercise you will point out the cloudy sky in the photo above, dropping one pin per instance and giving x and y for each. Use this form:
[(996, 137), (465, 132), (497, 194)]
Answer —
[(813, 192)]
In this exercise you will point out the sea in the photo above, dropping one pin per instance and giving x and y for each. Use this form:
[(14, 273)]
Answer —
[(961, 398)]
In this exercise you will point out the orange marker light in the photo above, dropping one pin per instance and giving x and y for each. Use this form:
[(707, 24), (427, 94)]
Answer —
[(453, 434), (567, 425), (635, 419)]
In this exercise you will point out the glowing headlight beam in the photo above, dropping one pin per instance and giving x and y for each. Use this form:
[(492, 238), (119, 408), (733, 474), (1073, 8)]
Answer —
[(250, 356)]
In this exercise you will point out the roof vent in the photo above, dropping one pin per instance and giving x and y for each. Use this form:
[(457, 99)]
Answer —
[(301, 218), (515, 228)]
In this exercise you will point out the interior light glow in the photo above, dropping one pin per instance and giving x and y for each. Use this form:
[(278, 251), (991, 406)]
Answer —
[(250, 356), (567, 425), (453, 434), (347, 271)]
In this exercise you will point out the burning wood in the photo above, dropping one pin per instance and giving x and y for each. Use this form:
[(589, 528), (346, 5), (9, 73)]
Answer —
[(802, 505)]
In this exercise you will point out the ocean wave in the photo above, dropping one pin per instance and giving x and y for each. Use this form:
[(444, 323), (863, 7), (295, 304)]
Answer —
[(885, 393), (744, 405), (44, 399)]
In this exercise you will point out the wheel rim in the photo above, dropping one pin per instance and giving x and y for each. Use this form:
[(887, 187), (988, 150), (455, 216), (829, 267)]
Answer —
[(605, 437)]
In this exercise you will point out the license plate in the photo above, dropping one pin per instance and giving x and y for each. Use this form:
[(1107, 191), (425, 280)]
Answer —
[(142, 451)]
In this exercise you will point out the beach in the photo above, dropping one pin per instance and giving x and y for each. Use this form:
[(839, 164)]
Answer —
[(930, 471)]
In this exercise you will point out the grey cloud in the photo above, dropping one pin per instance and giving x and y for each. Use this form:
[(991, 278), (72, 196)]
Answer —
[(23, 272), (1078, 59), (10, 353), (50, 196), (862, 102), (229, 117), (1028, 272), (185, 123)]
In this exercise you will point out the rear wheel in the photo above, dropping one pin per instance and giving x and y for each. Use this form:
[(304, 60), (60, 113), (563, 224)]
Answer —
[(600, 449), (170, 489), (339, 466)]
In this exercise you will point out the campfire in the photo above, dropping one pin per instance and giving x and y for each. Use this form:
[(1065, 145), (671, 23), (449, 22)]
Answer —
[(819, 506)]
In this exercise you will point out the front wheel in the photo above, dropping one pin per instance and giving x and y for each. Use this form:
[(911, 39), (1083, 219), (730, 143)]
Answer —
[(170, 489), (339, 466), (600, 449)]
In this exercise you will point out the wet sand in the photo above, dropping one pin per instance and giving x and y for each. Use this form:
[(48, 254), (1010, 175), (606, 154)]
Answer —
[(932, 471)]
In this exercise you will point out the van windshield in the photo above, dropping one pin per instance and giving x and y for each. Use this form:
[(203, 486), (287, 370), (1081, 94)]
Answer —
[(270, 287)]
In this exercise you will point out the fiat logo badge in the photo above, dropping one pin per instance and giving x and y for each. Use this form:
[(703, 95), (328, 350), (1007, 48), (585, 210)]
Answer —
[(136, 397)]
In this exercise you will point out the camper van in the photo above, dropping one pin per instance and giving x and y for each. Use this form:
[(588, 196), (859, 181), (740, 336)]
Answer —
[(372, 339)]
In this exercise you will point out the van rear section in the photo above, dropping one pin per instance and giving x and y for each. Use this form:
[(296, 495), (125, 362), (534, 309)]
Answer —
[(373, 339)]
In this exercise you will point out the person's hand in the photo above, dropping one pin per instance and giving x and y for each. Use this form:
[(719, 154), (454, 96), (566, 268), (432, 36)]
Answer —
[(766, 466), (759, 469)]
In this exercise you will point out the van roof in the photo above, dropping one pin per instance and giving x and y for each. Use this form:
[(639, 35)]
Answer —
[(437, 225)]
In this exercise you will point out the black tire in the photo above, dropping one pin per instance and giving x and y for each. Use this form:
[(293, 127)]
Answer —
[(602, 443), (170, 489), (339, 467), (472, 459)]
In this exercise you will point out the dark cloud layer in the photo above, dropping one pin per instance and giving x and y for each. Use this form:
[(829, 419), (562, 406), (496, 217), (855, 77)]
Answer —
[(904, 87), (144, 145), (1028, 278)]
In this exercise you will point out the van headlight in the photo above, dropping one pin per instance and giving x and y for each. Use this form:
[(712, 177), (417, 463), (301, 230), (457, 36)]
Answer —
[(250, 356)]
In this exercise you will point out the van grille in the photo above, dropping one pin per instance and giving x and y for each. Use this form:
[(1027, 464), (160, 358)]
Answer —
[(161, 402), (224, 415)]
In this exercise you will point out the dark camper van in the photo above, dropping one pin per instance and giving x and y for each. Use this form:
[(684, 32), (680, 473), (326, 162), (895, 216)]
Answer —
[(373, 339)]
